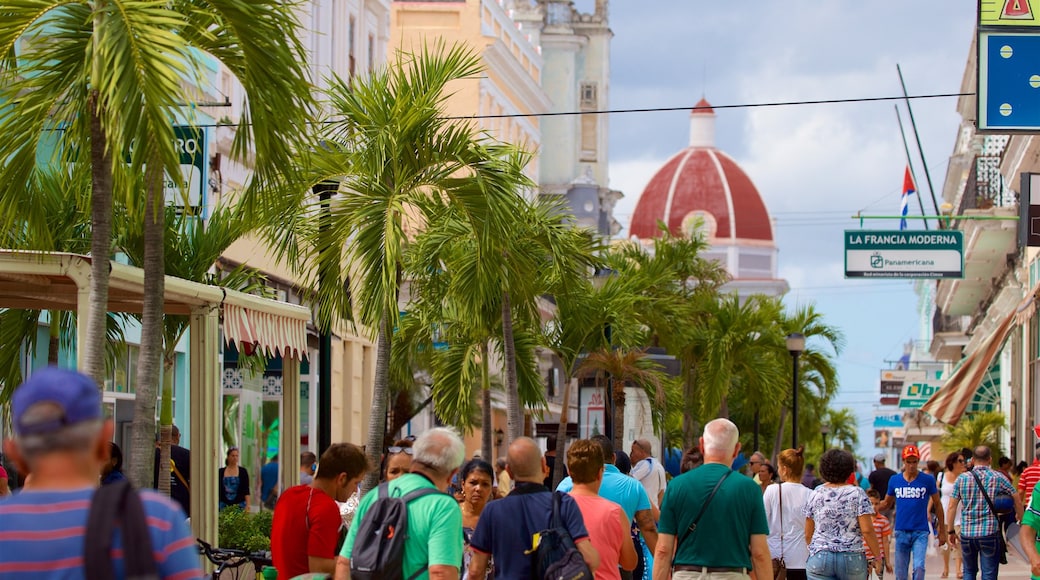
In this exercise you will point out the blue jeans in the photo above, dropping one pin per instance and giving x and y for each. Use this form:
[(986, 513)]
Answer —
[(836, 566), (910, 543), (981, 552)]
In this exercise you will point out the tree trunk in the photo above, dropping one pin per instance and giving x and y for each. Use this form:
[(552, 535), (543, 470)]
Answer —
[(485, 406), (100, 241), (377, 420), (618, 422), (561, 434), (55, 338), (724, 408), (514, 414), (166, 419), (779, 441), (149, 357)]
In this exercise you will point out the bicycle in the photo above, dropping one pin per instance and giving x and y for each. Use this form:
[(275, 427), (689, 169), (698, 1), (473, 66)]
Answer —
[(230, 560)]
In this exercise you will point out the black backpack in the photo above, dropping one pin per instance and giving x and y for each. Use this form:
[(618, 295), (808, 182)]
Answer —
[(118, 504), (378, 552), (556, 557)]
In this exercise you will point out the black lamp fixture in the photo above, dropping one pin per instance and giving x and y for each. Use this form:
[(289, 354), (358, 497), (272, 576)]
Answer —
[(795, 346)]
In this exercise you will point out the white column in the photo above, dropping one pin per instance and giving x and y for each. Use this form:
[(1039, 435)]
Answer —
[(289, 445), (206, 414)]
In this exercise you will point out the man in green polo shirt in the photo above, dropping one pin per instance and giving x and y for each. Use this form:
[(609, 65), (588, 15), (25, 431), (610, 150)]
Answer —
[(1028, 536), (729, 539)]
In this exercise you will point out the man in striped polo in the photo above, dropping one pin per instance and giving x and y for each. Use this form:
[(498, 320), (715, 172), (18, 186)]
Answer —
[(1030, 475), (61, 439)]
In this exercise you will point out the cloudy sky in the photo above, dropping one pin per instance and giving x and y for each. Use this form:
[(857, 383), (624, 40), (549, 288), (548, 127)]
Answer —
[(815, 165)]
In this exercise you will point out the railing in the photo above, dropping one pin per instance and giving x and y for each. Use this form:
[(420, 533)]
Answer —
[(986, 187)]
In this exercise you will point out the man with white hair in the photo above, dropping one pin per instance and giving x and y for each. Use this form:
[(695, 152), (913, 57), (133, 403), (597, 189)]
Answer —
[(715, 525), (434, 541), (62, 440)]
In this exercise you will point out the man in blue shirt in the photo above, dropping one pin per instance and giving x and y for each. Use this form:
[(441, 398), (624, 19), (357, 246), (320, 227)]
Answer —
[(269, 483), (623, 490), (912, 492)]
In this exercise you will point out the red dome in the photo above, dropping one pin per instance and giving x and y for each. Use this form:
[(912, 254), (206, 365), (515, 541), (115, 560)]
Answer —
[(703, 180)]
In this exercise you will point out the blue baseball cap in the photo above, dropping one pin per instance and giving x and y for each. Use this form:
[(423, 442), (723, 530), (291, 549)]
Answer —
[(75, 393)]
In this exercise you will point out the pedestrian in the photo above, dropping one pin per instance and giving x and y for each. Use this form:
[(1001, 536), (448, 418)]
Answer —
[(233, 482), (506, 531), (269, 483), (1030, 475), (882, 531), (691, 459), (980, 536), (505, 483), (606, 522), (308, 465), (113, 470), (306, 526), (767, 475), (1028, 537), (879, 477), (624, 491), (62, 438), (398, 460), (784, 502), (180, 472), (550, 460), (648, 471), (754, 465), (838, 520), (476, 476), (433, 545), (713, 525), (954, 468), (809, 479), (912, 493)]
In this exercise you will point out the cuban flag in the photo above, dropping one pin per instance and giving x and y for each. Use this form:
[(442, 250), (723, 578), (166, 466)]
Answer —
[(908, 188)]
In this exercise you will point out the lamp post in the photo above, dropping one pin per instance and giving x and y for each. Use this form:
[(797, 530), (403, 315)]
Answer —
[(795, 346), (825, 430), (599, 280), (324, 189)]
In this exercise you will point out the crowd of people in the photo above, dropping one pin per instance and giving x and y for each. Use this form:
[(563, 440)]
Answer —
[(438, 515)]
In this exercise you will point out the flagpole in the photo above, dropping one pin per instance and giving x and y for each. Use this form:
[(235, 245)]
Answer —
[(917, 136), (913, 176)]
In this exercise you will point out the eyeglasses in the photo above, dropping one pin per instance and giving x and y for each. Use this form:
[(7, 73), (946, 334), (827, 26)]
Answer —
[(395, 450), (961, 460)]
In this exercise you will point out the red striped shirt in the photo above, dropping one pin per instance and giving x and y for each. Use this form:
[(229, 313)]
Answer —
[(1030, 475)]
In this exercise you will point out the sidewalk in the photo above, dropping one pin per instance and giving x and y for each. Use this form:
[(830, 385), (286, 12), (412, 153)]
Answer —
[(1015, 569)]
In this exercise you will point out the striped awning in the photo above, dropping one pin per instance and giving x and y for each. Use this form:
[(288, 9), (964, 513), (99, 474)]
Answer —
[(273, 334), (950, 402)]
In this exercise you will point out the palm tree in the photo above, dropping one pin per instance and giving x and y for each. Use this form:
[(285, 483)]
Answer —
[(398, 160), (624, 368), (106, 76), (976, 429)]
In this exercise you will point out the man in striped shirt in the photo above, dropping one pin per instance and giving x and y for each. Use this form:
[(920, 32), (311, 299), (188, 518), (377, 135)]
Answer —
[(1030, 475), (980, 529), (61, 439)]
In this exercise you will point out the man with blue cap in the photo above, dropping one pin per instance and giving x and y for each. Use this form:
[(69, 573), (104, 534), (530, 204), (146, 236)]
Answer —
[(62, 440)]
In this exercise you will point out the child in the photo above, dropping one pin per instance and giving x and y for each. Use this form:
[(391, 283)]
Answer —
[(882, 528)]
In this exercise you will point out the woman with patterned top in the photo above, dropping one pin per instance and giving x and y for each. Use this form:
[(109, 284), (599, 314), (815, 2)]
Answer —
[(476, 478), (838, 519)]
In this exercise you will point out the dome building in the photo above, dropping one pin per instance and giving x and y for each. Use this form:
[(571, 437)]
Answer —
[(702, 188)]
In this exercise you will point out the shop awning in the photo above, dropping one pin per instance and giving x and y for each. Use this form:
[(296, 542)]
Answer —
[(272, 333), (949, 404)]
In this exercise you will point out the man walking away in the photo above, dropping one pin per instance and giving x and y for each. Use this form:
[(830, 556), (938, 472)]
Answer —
[(507, 526), (269, 483), (307, 522), (1030, 475), (979, 537), (433, 547), (649, 471), (61, 438), (307, 461), (912, 492), (713, 537), (179, 470)]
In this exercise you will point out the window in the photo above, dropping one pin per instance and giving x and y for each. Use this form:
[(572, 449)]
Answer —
[(589, 137), (588, 95)]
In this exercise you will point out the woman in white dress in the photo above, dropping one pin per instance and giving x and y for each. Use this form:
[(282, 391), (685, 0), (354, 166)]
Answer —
[(788, 540), (954, 467)]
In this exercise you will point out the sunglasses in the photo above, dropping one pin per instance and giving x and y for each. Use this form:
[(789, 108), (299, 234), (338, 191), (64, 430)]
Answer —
[(395, 450)]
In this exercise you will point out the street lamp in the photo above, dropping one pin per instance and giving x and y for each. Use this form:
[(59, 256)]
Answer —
[(795, 346), (324, 189)]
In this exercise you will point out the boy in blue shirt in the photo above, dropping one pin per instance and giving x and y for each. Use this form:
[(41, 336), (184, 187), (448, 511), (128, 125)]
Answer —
[(912, 492)]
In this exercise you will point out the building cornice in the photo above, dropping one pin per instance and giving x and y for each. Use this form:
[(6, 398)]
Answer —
[(501, 61)]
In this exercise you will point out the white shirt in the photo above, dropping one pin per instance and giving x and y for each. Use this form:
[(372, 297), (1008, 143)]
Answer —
[(651, 474), (795, 495)]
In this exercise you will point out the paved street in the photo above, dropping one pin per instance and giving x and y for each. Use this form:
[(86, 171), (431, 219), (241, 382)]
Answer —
[(1016, 568)]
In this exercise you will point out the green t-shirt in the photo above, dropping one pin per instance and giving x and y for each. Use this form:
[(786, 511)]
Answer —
[(1031, 517), (723, 534), (434, 526)]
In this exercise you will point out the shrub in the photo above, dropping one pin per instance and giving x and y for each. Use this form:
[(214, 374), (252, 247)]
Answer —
[(244, 530)]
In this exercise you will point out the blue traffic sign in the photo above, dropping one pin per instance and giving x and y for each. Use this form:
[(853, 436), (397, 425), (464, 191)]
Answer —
[(1009, 81)]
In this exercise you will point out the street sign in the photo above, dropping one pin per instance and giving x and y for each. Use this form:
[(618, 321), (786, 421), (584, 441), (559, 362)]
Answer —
[(191, 188), (916, 394), (892, 383), (1008, 46), (1009, 13), (904, 254)]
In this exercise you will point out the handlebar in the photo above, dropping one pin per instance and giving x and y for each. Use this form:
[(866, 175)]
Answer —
[(232, 557)]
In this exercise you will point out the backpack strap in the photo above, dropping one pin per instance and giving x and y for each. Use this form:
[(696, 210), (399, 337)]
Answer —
[(421, 492), (111, 504)]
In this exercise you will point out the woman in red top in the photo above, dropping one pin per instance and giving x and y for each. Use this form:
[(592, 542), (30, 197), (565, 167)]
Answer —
[(606, 522)]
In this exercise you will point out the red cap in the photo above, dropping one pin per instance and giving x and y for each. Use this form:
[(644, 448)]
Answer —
[(1036, 430), (911, 451)]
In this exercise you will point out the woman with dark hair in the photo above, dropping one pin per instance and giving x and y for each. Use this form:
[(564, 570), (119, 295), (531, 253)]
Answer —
[(767, 475), (476, 478), (113, 470), (954, 468), (234, 482), (623, 462), (839, 517), (398, 460), (692, 459), (784, 502)]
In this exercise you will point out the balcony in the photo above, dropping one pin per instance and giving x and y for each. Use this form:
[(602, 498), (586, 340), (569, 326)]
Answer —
[(989, 244), (949, 337)]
